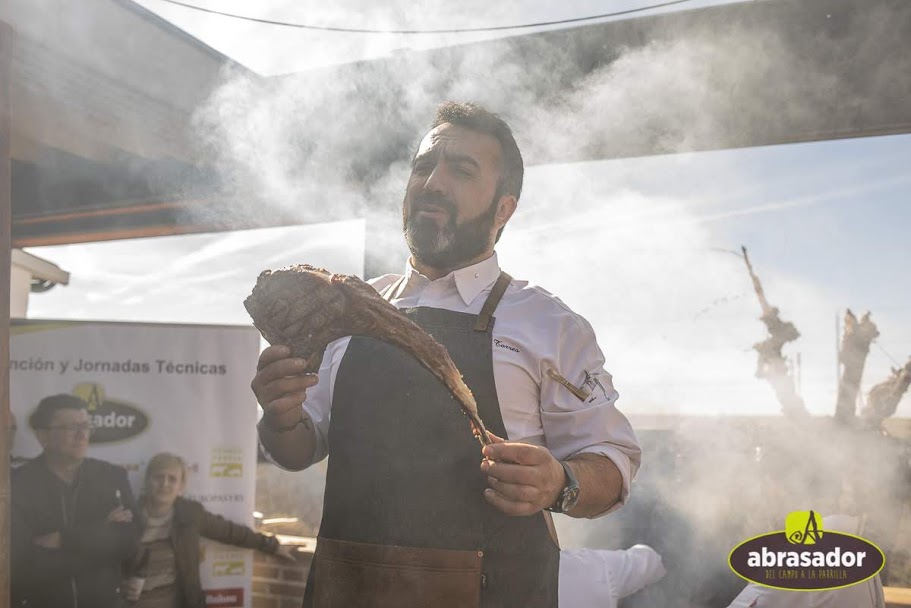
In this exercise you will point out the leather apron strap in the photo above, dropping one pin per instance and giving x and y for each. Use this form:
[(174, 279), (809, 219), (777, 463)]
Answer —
[(490, 305), (496, 294), (483, 324)]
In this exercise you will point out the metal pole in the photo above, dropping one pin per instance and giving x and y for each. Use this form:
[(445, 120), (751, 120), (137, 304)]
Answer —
[(837, 354), (6, 51)]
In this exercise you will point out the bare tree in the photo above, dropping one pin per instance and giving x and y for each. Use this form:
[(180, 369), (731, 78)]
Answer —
[(855, 346), (882, 400), (771, 365)]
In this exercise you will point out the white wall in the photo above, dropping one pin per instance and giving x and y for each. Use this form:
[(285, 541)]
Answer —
[(23, 268), (20, 282)]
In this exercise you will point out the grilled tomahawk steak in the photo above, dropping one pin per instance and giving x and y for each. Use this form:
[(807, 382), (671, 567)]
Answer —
[(306, 308)]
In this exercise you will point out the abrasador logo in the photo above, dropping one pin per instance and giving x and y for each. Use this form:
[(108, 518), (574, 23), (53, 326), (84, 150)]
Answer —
[(804, 557), (112, 420)]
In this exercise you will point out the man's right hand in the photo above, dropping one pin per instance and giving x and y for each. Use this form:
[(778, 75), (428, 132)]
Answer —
[(280, 386)]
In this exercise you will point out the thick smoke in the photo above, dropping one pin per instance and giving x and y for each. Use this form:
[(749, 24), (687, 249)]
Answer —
[(619, 242), (330, 143), (335, 142)]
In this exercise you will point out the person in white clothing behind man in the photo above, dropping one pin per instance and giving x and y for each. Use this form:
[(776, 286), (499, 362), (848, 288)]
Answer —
[(595, 578), (408, 492)]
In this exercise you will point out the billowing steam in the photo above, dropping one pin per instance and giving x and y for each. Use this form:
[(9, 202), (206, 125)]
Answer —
[(635, 246), (675, 316)]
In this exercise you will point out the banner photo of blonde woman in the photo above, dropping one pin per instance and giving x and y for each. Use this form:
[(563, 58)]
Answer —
[(150, 389)]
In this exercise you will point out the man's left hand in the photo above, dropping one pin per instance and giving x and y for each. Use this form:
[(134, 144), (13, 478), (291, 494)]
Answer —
[(523, 478)]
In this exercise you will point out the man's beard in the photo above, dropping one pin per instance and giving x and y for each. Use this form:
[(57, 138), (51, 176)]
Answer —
[(450, 245)]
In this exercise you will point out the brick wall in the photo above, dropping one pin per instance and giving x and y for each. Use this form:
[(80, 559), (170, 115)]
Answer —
[(278, 583)]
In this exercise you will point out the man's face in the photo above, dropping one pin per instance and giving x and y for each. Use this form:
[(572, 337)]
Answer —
[(67, 435), (449, 213)]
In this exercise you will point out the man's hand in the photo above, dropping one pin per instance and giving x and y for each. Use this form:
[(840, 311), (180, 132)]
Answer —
[(523, 478), (120, 515), (49, 541), (280, 386)]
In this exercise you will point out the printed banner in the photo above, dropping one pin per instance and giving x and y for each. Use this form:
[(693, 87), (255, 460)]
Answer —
[(154, 388)]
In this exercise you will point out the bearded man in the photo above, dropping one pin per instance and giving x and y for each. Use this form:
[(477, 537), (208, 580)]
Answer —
[(412, 516)]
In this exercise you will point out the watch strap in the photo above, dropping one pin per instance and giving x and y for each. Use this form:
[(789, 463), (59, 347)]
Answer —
[(571, 483)]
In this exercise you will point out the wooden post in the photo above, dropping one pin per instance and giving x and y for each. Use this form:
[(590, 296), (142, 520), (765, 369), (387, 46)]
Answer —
[(6, 51)]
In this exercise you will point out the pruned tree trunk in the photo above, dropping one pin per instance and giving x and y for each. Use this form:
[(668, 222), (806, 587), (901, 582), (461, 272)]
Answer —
[(855, 346), (883, 399), (771, 365)]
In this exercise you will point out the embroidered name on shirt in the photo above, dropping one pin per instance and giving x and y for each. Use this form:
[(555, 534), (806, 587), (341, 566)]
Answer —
[(501, 344)]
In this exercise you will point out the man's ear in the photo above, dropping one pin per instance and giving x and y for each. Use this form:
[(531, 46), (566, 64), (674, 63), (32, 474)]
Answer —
[(506, 206), (41, 435)]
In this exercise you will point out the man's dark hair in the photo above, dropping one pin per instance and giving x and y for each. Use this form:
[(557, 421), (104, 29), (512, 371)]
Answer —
[(47, 407), (474, 117)]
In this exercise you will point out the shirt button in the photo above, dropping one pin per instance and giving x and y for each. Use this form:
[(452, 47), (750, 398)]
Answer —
[(477, 274)]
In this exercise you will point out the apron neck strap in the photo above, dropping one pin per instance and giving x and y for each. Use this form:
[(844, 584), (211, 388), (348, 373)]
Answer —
[(496, 294), (490, 305)]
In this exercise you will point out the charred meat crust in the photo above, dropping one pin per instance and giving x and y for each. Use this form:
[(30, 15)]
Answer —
[(306, 308)]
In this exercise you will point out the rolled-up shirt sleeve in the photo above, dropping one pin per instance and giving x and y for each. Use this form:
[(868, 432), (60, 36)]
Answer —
[(573, 425)]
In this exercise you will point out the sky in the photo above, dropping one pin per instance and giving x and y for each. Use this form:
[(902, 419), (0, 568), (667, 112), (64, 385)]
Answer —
[(644, 248)]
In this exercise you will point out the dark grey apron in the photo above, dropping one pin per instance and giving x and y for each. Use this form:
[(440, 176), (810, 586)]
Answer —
[(405, 523)]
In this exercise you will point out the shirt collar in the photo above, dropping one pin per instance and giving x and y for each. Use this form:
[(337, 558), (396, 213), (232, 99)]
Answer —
[(470, 281)]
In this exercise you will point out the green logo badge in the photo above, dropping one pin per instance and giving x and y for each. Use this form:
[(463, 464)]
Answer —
[(803, 557), (227, 462), (803, 527), (228, 568), (112, 420)]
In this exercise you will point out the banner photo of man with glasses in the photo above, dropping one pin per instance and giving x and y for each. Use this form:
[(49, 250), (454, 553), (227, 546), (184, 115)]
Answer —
[(95, 401)]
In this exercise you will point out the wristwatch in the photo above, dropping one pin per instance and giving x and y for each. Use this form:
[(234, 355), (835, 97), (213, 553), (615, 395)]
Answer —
[(569, 495)]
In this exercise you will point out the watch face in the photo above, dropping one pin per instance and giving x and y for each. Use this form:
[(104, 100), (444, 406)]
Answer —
[(570, 498)]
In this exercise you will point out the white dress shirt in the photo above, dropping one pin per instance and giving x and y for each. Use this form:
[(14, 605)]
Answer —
[(534, 332), (592, 578)]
